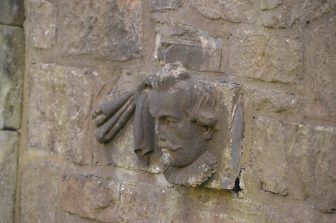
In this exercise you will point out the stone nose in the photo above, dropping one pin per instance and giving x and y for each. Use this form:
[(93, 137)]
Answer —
[(162, 143)]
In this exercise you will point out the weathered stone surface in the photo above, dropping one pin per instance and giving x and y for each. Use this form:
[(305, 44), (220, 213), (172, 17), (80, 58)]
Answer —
[(120, 151), (9, 143), (41, 23), (267, 100), (70, 218), (117, 199), (11, 12), (110, 29), (269, 4), (314, 9), (226, 144), (59, 109), (90, 197), (297, 160), (11, 76), (286, 53), (194, 48), (320, 67), (165, 4), (270, 140), (279, 17), (234, 11), (313, 157), (286, 13), (127, 196), (265, 56), (40, 187)]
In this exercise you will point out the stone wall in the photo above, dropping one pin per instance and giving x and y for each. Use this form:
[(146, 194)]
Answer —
[(281, 52), (11, 84)]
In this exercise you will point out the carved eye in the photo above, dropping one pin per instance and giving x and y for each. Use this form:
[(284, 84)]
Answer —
[(202, 125), (167, 120)]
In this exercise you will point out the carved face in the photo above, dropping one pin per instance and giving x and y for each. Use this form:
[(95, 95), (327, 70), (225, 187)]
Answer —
[(181, 136)]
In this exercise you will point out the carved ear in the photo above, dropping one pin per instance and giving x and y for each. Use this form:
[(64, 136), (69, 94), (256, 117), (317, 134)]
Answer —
[(208, 121)]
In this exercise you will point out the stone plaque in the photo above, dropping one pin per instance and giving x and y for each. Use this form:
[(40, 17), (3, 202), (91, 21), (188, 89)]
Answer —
[(194, 124)]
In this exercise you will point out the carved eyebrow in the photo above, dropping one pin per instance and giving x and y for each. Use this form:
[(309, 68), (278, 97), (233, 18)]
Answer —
[(168, 114), (206, 119)]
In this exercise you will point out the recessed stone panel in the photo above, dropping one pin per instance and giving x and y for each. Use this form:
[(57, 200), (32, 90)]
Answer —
[(194, 48), (109, 29)]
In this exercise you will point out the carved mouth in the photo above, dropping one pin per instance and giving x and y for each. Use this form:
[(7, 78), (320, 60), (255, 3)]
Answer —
[(165, 150), (169, 150)]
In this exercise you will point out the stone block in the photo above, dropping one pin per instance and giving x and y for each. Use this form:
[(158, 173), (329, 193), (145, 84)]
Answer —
[(90, 197), (109, 29), (270, 4), (265, 56), (194, 48), (9, 143), (40, 189), (314, 10), (320, 54), (11, 76), (279, 17), (157, 5), (313, 157), (117, 198), (269, 147), (11, 12), (296, 159), (226, 144), (70, 218), (133, 196), (41, 23), (60, 110), (269, 100), (286, 13), (232, 10)]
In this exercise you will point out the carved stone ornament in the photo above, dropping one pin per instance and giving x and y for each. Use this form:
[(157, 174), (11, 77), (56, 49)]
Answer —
[(175, 113)]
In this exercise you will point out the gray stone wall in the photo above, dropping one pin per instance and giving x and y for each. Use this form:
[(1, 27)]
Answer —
[(281, 52), (11, 84)]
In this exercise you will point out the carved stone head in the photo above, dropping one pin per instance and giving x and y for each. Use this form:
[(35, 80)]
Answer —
[(186, 120)]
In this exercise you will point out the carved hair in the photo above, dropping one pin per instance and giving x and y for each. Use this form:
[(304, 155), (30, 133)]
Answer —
[(196, 97)]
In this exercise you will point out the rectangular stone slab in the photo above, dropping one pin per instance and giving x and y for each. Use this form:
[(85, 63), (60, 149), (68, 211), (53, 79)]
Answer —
[(226, 144)]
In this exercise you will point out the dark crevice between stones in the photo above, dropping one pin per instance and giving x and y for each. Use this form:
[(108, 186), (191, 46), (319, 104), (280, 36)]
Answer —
[(9, 129), (9, 24), (237, 187)]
